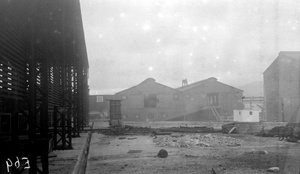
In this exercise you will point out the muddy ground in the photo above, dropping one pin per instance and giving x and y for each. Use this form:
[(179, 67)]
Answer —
[(188, 153)]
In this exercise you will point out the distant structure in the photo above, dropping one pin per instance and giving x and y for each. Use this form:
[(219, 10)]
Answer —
[(282, 88), (210, 99), (253, 110), (255, 103), (99, 106), (184, 82), (150, 101), (246, 115), (206, 100)]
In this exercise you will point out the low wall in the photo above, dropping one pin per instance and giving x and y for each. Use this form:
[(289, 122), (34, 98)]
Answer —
[(166, 124), (243, 127)]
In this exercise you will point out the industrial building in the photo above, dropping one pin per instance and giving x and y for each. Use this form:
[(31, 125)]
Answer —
[(43, 80), (206, 100), (281, 88), (150, 101), (99, 106), (210, 100)]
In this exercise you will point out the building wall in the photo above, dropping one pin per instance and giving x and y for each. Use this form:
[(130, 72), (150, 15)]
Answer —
[(271, 92), (281, 88), (228, 98), (168, 106), (179, 105), (246, 116), (288, 88)]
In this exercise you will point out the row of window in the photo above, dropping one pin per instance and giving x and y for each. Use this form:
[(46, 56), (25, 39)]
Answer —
[(250, 113)]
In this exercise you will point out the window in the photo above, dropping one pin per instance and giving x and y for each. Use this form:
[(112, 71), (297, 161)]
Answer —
[(239, 112), (250, 113), (100, 98), (212, 99), (124, 97), (150, 100)]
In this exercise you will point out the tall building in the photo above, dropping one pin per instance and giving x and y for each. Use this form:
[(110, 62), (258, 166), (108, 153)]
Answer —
[(281, 88)]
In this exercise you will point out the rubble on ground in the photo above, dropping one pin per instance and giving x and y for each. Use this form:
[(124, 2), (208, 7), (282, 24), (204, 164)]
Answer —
[(197, 140), (273, 169), (290, 132), (261, 152), (132, 130), (187, 129), (229, 128), (126, 130)]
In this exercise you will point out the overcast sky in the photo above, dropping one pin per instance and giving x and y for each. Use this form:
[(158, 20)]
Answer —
[(169, 40)]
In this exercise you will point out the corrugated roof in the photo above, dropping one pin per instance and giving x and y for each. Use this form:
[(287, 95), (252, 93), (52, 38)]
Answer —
[(145, 81), (190, 86)]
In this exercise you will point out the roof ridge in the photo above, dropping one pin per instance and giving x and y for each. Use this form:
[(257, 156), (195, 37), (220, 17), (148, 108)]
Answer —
[(147, 80), (210, 78)]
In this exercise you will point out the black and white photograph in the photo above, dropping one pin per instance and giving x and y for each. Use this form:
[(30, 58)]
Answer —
[(149, 86)]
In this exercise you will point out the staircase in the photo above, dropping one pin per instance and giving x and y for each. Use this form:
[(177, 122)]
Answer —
[(215, 113)]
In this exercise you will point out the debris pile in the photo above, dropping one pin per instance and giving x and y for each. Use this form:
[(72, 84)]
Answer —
[(290, 132), (186, 129), (137, 130), (132, 130), (273, 169), (197, 140), (126, 130), (229, 128)]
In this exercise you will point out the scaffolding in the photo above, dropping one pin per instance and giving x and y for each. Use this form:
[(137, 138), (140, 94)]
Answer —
[(43, 79)]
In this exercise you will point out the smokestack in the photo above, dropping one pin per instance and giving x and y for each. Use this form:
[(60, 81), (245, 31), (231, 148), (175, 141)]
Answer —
[(184, 82)]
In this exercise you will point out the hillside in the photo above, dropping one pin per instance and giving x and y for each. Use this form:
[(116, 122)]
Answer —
[(253, 89)]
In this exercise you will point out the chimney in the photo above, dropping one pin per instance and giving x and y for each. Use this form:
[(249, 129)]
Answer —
[(184, 82)]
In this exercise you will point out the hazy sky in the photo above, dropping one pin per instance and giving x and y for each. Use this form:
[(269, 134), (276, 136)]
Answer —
[(169, 40)]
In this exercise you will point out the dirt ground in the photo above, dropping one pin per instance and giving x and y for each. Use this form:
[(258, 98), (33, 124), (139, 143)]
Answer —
[(232, 154)]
